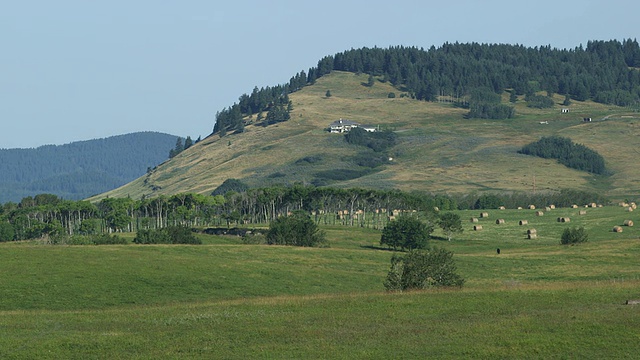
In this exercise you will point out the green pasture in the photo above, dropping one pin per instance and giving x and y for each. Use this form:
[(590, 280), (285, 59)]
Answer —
[(225, 299)]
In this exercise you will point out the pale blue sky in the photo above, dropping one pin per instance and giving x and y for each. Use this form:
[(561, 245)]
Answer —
[(78, 70)]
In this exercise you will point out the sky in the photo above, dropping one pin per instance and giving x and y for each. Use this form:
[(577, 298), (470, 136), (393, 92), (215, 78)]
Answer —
[(80, 70)]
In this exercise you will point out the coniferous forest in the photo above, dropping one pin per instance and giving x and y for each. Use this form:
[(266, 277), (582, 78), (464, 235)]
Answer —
[(603, 71), (568, 153), (81, 169)]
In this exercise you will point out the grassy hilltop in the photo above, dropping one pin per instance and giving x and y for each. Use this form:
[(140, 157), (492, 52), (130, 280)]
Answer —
[(438, 149)]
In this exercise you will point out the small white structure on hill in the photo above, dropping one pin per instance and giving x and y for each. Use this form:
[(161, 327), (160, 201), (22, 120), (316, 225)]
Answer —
[(342, 126)]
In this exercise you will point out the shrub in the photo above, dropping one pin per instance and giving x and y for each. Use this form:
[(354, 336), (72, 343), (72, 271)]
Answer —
[(406, 233), (168, 235), (297, 230), (420, 269), (574, 235), (6, 231)]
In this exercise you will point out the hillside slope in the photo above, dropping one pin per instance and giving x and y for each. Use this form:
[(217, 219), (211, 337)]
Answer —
[(80, 169), (438, 149)]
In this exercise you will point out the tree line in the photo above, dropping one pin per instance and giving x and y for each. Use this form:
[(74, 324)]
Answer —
[(603, 71), (47, 214)]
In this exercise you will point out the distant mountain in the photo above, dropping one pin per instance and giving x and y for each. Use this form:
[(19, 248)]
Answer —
[(81, 169)]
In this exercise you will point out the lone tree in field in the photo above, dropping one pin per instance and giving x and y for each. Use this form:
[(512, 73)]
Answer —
[(574, 235), (297, 230), (451, 224), (406, 233), (420, 269)]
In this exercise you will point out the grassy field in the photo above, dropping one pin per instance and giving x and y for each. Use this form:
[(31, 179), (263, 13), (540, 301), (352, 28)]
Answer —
[(224, 299), (438, 149)]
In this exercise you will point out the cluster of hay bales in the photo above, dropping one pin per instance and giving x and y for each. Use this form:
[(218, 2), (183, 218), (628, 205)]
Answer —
[(532, 234), (564, 219), (499, 221)]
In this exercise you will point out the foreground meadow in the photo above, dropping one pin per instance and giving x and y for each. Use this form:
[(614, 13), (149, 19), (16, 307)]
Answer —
[(224, 299)]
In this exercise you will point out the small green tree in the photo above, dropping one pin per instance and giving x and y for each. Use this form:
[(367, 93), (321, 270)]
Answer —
[(328, 93), (406, 233), (420, 269), (297, 229), (6, 231), (574, 235), (567, 100), (451, 224)]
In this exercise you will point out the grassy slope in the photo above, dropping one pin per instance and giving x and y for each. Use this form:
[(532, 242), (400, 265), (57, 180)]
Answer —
[(438, 150), (536, 299)]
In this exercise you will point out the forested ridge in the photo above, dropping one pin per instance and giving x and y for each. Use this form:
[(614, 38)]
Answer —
[(603, 71), (81, 169)]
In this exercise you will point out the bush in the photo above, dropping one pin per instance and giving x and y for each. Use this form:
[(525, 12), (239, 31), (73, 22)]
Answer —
[(406, 233), (574, 235), (297, 230), (6, 231), (168, 235), (421, 269)]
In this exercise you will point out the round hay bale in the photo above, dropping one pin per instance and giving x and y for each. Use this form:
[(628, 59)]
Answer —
[(559, 219), (617, 229), (477, 227), (583, 212), (547, 208), (566, 220), (436, 209), (502, 208), (552, 206), (539, 213), (593, 205), (519, 207), (532, 236), (600, 205), (500, 221), (628, 223), (630, 209), (474, 220), (574, 206), (523, 222), (532, 231), (634, 206), (532, 207), (484, 215)]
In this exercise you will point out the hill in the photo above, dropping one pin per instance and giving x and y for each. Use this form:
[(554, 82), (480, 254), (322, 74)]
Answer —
[(458, 113), (437, 150), (80, 169)]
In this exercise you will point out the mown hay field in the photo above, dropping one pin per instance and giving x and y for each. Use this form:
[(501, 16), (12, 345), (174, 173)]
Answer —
[(225, 299)]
